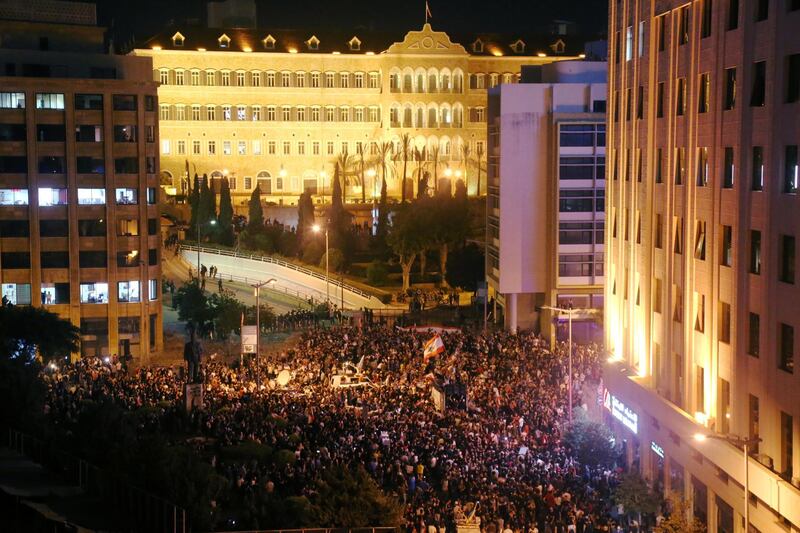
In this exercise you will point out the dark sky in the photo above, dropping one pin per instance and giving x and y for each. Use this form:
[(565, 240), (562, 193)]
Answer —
[(146, 17)]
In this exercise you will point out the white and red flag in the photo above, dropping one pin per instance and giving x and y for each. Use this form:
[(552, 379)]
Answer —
[(432, 348)]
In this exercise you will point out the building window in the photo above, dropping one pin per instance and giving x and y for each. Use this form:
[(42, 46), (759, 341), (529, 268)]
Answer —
[(196, 148), (702, 166), (48, 196), (758, 168), (165, 146), (301, 114), (94, 293), (793, 77), (300, 79), (91, 197), (256, 147), (286, 79), (272, 147), (211, 112), (658, 231), (704, 92), (755, 252), (358, 80), (659, 166), (733, 15), (226, 78), (226, 112), (270, 79), (17, 293), (730, 88), (700, 315), (344, 80), (315, 80), (179, 77), (762, 10), (286, 113), (680, 165), (683, 29), (661, 27), (786, 343), (374, 80), (127, 196), (726, 257), (787, 446), (248, 183), (753, 421), (240, 81), (49, 101), (10, 100), (128, 291), (790, 173), (55, 293), (226, 148), (753, 334), (758, 94), (271, 113), (677, 310), (195, 77), (242, 148), (725, 322), (629, 43), (301, 148), (163, 76), (287, 148), (212, 147), (196, 112), (256, 113), (705, 26), (787, 258), (729, 175), (678, 237), (330, 80), (241, 112), (700, 241), (181, 146), (211, 78), (680, 97)]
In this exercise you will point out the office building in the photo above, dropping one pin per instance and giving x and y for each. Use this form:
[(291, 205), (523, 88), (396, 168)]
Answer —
[(275, 107), (79, 220), (545, 202), (702, 291)]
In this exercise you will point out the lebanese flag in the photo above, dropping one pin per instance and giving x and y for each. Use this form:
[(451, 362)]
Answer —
[(432, 348)]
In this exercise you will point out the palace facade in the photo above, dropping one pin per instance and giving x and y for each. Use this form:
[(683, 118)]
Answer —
[(275, 108)]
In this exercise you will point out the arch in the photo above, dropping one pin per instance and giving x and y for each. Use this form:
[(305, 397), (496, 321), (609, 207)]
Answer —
[(445, 147), (433, 80), (458, 80), (445, 116), (419, 116), (431, 143), (408, 116), (408, 80), (264, 181), (445, 80), (433, 115), (419, 80), (458, 115), (419, 142), (395, 115)]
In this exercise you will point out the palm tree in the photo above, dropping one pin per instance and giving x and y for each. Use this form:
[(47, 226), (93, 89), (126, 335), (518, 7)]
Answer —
[(405, 151), (420, 155), (344, 163), (435, 151), (479, 153), (361, 151), (466, 152), (385, 153)]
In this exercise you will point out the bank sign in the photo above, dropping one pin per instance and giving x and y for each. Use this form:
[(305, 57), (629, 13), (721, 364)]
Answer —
[(621, 412)]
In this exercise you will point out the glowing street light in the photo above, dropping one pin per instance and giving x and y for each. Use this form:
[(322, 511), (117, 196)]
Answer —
[(316, 228)]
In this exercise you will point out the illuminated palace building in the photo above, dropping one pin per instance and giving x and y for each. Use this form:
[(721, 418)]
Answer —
[(79, 224), (274, 107), (702, 293)]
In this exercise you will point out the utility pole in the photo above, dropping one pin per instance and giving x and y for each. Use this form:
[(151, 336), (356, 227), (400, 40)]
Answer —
[(257, 287)]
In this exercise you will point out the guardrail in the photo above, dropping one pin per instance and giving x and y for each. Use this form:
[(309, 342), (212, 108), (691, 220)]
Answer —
[(383, 529), (280, 262)]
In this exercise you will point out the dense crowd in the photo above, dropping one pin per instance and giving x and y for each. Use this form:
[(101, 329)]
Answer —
[(501, 457)]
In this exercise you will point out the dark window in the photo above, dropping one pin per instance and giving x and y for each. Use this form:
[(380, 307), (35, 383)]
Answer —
[(89, 101), (733, 14), (51, 164), (576, 168), (126, 165), (55, 259), (660, 100), (53, 228), (730, 88), (705, 29), (128, 259), (125, 134), (703, 93), (754, 334), (787, 446), (787, 258), (50, 132), (725, 322), (44, 43), (680, 165), (14, 260), (92, 227), (659, 166), (88, 133), (13, 164), (786, 340), (598, 106), (153, 329), (93, 259), (658, 231), (576, 233), (726, 258), (152, 195), (762, 10), (577, 134), (12, 132), (152, 256), (661, 25), (149, 103), (14, 228), (790, 173), (753, 424), (124, 102), (683, 30), (755, 252), (640, 102), (759, 93), (576, 200), (152, 226), (793, 78), (628, 104), (150, 164), (90, 165), (617, 49), (729, 169), (55, 293), (680, 97), (702, 167), (758, 168)]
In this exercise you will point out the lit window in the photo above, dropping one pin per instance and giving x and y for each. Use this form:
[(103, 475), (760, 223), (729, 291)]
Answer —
[(226, 148), (256, 147), (165, 146), (128, 291), (94, 293), (12, 100), (91, 196), (49, 101), (127, 196), (242, 148), (224, 41), (178, 39), (48, 196), (17, 293), (13, 196)]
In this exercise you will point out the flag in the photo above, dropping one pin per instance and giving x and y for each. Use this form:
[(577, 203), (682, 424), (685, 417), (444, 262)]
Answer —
[(433, 347), (427, 12)]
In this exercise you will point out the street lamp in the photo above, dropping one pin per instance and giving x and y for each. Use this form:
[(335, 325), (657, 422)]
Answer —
[(212, 222), (569, 311), (257, 287), (316, 228), (746, 445)]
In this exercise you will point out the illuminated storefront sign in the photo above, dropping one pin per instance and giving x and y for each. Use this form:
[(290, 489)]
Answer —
[(621, 412), (659, 451)]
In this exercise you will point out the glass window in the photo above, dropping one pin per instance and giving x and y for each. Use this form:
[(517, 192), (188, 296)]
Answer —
[(17, 293), (92, 227), (52, 165), (126, 165), (53, 228), (12, 100), (13, 196), (48, 196), (127, 196), (127, 227), (786, 343), (152, 289), (128, 291), (55, 259), (124, 102), (93, 259), (15, 260), (94, 293), (87, 133), (14, 228), (152, 195), (90, 165), (55, 293), (49, 101), (790, 175), (91, 196), (759, 90), (125, 133)]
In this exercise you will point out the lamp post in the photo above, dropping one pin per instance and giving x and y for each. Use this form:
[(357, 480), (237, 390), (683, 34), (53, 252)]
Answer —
[(322, 176), (316, 228), (257, 287), (746, 444), (212, 222)]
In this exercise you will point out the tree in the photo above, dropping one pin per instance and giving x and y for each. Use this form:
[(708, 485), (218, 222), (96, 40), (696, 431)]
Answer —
[(449, 227), (466, 153), (465, 267), (305, 216), (194, 205), (677, 521), (336, 260), (590, 442), (338, 217), (377, 273), (227, 312), (225, 228), (461, 191), (405, 153), (408, 237), (349, 497), (385, 150), (361, 162), (435, 154), (255, 222), (422, 176), (636, 496), (206, 204), (479, 153), (193, 306)]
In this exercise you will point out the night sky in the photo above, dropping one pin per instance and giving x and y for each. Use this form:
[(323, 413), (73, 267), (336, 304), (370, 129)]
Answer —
[(144, 18)]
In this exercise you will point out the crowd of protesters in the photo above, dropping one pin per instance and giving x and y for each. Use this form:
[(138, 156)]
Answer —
[(500, 461)]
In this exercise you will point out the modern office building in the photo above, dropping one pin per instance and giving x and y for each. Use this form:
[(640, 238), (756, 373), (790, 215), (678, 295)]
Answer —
[(79, 220), (702, 290), (275, 107), (545, 201)]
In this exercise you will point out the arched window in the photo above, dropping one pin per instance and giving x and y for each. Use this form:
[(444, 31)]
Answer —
[(264, 182), (518, 46), (477, 46), (433, 120), (313, 43)]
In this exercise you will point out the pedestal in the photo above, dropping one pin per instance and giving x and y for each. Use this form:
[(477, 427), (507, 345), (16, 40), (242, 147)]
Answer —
[(193, 396)]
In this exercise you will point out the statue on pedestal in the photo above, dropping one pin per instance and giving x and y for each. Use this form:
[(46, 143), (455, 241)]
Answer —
[(193, 354)]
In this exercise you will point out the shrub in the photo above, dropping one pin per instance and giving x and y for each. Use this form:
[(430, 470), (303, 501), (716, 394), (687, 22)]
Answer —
[(312, 252), (247, 451), (336, 261), (377, 273), (284, 457)]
